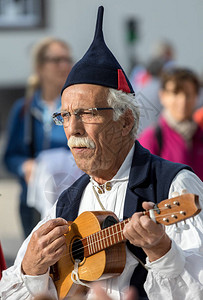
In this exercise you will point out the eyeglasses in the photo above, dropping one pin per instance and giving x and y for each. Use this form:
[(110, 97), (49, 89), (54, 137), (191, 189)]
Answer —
[(58, 59), (89, 115)]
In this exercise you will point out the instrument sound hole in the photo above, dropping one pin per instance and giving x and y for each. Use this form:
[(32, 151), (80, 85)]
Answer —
[(78, 250)]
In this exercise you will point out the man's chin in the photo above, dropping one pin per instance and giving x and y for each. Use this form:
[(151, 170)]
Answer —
[(82, 156), (86, 168)]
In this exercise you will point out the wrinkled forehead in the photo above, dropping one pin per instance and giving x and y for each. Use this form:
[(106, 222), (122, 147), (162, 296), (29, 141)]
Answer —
[(84, 96)]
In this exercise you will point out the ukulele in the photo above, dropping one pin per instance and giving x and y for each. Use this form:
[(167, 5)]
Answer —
[(99, 251)]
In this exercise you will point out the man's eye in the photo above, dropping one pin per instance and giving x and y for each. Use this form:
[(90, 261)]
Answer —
[(65, 115), (86, 113)]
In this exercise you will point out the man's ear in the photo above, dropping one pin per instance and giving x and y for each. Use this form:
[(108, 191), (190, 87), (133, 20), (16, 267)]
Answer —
[(128, 122)]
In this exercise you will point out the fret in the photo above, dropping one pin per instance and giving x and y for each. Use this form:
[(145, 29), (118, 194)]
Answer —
[(121, 236), (100, 240), (116, 234), (92, 246), (89, 245), (97, 241), (86, 247), (93, 243), (105, 238), (113, 234), (119, 231), (110, 235)]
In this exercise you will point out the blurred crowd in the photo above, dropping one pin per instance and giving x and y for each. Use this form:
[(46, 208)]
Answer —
[(171, 108)]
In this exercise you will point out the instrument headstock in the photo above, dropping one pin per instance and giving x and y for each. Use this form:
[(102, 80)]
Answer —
[(177, 209)]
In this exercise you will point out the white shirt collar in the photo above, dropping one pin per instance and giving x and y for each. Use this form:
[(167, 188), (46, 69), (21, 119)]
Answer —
[(123, 172)]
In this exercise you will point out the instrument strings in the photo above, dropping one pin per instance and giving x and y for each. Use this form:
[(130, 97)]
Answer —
[(110, 235), (93, 243)]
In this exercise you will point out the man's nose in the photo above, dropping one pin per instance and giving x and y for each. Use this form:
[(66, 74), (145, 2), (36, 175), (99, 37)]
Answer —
[(74, 126)]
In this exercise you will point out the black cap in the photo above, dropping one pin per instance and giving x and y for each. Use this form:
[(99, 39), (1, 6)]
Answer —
[(99, 66)]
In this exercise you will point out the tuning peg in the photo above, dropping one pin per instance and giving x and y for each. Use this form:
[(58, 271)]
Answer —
[(178, 229), (185, 226)]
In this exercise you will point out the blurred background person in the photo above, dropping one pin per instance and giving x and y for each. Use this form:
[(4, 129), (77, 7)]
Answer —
[(2, 261), (163, 55), (148, 96), (145, 80), (30, 126), (54, 171), (198, 116), (176, 136), (99, 294)]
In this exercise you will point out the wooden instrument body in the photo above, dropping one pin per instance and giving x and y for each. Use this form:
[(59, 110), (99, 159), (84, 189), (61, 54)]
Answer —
[(104, 264)]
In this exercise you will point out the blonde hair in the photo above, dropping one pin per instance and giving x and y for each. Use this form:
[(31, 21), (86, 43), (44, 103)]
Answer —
[(38, 57)]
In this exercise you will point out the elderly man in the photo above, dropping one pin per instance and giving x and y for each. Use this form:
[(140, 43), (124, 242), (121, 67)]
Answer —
[(100, 118)]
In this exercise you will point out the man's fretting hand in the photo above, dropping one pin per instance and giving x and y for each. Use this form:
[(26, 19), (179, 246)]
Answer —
[(141, 231), (47, 245)]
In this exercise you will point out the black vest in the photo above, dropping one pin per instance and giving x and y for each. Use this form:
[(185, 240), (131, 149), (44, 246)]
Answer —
[(149, 180)]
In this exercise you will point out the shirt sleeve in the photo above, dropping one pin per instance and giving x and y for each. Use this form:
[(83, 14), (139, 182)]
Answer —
[(179, 274), (15, 285)]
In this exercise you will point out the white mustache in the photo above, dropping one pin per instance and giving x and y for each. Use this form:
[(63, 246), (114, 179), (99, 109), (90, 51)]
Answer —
[(80, 142)]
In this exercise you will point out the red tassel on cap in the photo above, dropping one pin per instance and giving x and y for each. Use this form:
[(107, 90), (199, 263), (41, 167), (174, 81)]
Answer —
[(122, 82)]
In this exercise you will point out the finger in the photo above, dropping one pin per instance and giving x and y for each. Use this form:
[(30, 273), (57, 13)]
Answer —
[(150, 226), (52, 258), (55, 234), (141, 230), (132, 237), (137, 223), (58, 248), (133, 230), (147, 205), (54, 251), (147, 224), (50, 225)]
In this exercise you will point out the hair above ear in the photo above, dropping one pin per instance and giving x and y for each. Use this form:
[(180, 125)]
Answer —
[(122, 102)]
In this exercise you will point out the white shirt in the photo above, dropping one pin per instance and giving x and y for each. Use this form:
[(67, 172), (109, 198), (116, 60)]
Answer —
[(177, 275), (112, 200)]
